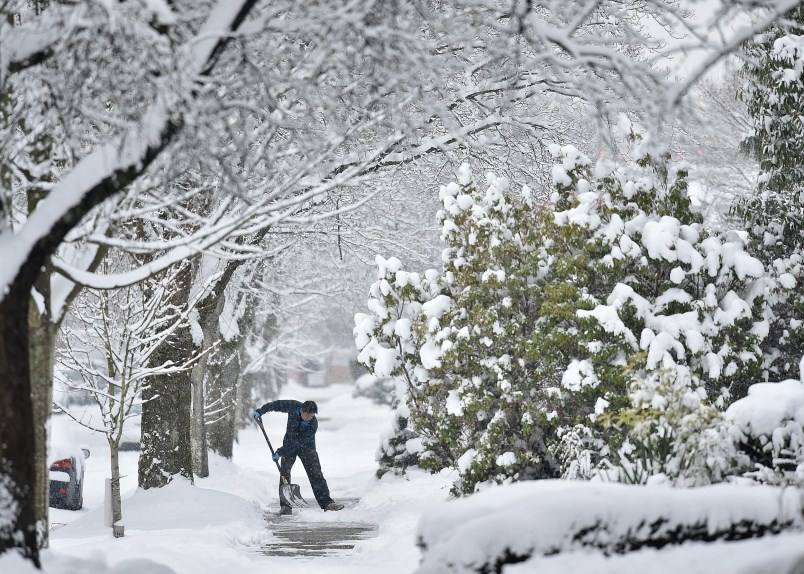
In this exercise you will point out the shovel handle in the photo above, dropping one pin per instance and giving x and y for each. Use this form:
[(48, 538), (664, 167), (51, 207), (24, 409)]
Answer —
[(265, 434), (290, 498)]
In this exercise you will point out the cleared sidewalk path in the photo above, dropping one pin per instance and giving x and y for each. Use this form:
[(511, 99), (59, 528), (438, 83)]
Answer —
[(296, 537)]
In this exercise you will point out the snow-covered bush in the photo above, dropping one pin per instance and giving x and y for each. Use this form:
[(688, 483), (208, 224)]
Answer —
[(388, 342), (673, 432), (380, 390), (770, 421), (774, 94), (399, 448), (544, 313), (578, 452), (785, 310)]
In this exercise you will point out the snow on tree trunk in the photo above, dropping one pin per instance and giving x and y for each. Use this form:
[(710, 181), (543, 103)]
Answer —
[(198, 431), (216, 376), (209, 311), (43, 335), (233, 316), (208, 314), (18, 522), (166, 411), (223, 373), (165, 446)]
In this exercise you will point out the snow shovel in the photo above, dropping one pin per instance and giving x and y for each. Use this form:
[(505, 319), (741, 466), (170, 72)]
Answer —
[(289, 494)]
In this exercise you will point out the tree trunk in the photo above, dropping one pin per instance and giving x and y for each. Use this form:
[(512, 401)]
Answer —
[(223, 372), (18, 527), (166, 415), (209, 311), (42, 342), (43, 332), (198, 429), (260, 386), (167, 404), (226, 384), (117, 504)]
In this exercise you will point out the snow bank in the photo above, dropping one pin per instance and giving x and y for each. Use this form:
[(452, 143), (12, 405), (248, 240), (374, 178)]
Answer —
[(770, 424), (769, 555), (175, 506), (769, 407), (510, 524), (179, 527), (13, 563)]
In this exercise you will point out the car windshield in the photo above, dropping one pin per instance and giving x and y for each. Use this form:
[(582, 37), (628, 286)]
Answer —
[(61, 443)]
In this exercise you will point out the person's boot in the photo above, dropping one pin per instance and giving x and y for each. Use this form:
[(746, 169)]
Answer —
[(285, 511), (334, 506)]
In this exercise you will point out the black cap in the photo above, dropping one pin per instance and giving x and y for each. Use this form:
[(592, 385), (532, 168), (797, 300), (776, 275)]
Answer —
[(309, 407)]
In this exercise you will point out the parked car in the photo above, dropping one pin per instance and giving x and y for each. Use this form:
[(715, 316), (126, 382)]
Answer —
[(66, 468), (67, 481)]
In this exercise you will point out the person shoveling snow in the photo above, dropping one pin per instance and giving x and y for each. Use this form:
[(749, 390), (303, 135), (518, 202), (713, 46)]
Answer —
[(299, 441)]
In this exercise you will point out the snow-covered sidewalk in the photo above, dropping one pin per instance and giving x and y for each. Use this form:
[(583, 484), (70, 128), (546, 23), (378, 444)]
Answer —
[(219, 525)]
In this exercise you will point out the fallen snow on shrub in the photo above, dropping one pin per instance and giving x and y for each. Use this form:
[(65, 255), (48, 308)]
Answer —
[(771, 423), (512, 523), (769, 407)]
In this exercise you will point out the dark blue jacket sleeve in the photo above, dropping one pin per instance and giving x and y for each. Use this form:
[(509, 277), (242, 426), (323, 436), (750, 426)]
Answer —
[(283, 406)]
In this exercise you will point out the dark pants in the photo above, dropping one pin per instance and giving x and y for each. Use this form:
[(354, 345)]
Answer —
[(312, 466)]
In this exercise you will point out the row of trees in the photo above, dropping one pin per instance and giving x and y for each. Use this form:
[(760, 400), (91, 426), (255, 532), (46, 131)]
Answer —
[(606, 328), (225, 130)]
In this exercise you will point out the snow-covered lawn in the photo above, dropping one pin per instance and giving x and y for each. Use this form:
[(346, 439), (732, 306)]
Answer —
[(217, 525)]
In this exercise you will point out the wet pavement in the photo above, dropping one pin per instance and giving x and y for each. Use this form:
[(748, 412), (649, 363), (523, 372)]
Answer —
[(296, 537)]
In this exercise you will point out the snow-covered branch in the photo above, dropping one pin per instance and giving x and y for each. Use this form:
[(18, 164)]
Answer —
[(114, 165)]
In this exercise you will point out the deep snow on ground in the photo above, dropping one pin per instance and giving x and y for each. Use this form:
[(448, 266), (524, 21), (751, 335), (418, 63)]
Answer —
[(217, 525), (568, 518)]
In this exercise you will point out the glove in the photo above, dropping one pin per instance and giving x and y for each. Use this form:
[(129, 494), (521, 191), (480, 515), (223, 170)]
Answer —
[(277, 455), (256, 416)]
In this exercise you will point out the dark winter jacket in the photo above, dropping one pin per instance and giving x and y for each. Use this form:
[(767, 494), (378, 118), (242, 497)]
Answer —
[(300, 434)]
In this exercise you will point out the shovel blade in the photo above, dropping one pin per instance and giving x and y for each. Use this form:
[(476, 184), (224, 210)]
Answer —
[(290, 494)]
